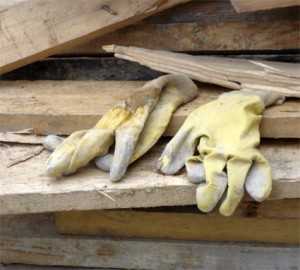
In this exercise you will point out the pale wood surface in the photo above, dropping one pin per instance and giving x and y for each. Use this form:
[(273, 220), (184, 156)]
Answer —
[(5, 4), (62, 107), (240, 74), (33, 30), (25, 187), (180, 225), (32, 239), (255, 5)]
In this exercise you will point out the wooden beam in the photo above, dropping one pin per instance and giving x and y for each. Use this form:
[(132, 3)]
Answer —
[(32, 239), (25, 187), (180, 225), (255, 5), (200, 26), (48, 106), (35, 29)]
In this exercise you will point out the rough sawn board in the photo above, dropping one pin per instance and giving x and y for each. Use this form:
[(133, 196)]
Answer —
[(25, 187)]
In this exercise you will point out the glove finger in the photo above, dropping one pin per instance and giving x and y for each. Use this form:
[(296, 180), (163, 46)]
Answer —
[(208, 194), (104, 162), (155, 125), (153, 129), (177, 151), (259, 179), (195, 170), (126, 139), (59, 160), (237, 169), (94, 143), (51, 142)]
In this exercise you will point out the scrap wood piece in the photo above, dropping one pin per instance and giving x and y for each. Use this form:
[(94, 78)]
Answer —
[(23, 157), (228, 72), (48, 106), (12, 137), (26, 188), (256, 5), (38, 28)]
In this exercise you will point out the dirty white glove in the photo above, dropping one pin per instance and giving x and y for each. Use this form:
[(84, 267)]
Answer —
[(134, 127), (225, 133)]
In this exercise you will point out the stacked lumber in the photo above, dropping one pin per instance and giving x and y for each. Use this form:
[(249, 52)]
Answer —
[(84, 220), (32, 239), (231, 73)]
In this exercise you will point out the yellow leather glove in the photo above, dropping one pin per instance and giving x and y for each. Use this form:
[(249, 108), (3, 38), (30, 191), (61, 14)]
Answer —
[(134, 126), (226, 134)]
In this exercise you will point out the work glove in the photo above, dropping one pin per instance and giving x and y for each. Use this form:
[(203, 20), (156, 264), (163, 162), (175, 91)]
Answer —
[(225, 133), (134, 127)]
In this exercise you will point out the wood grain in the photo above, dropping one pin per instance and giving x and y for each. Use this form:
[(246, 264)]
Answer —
[(25, 187), (255, 5), (199, 26), (32, 239), (240, 74), (180, 226), (62, 107), (33, 30)]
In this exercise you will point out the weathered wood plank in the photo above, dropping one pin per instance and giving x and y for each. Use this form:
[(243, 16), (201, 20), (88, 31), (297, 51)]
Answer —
[(200, 26), (48, 106), (32, 239), (35, 29), (227, 72), (254, 5), (275, 35), (25, 187), (179, 225)]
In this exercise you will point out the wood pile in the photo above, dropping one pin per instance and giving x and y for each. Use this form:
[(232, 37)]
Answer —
[(148, 220)]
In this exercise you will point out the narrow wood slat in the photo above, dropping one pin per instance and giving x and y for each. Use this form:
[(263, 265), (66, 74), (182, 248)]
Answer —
[(183, 226), (32, 239), (25, 187), (62, 107), (230, 73), (38, 28)]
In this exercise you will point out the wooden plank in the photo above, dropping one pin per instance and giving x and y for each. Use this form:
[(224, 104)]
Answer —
[(179, 225), (199, 26), (240, 74), (48, 106), (32, 239), (274, 35), (255, 5), (25, 187), (35, 29)]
